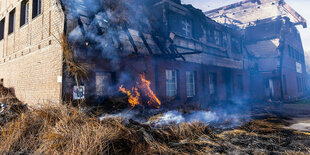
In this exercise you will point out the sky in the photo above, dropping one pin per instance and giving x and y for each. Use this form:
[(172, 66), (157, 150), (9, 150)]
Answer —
[(301, 6)]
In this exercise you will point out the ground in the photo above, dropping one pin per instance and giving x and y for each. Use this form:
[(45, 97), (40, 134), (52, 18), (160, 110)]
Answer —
[(271, 129)]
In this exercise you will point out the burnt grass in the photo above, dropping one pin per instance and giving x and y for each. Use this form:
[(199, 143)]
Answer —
[(68, 130)]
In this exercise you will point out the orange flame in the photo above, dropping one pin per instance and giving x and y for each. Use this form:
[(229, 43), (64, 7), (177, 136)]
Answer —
[(142, 87), (133, 97), (145, 86)]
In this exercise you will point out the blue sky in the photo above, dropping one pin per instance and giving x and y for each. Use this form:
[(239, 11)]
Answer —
[(301, 6)]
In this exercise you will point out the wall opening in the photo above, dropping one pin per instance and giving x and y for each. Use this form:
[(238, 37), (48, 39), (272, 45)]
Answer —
[(36, 8), (24, 12), (171, 83), (12, 21), (190, 84), (103, 82), (2, 24)]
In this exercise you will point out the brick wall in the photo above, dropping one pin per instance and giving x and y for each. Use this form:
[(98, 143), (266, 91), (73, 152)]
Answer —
[(31, 57)]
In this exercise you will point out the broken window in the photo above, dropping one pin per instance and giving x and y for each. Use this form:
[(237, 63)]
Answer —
[(103, 82), (236, 45), (12, 21), (2, 23), (171, 83), (36, 8), (218, 37), (187, 28), (210, 35), (24, 13), (190, 84), (212, 83), (225, 40), (271, 87)]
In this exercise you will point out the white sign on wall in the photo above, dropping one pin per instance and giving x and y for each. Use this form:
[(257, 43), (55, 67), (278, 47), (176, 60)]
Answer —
[(59, 79)]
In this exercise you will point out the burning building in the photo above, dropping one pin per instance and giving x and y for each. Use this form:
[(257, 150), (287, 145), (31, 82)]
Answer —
[(188, 57), (274, 43), (154, 51)]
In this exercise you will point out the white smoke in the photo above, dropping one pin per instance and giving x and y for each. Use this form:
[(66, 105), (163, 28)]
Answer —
[(171, 117), (218, 118), (127, 114), (176, 117)]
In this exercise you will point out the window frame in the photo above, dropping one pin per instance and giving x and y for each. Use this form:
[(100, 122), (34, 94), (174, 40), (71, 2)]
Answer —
[(210, 35), (12, 18), (24, 12), (102, 80), (2, 29), (36, 8), (190, 84), (171, 91), (299, 84), (236, 46), (188, 25), (213, 82)]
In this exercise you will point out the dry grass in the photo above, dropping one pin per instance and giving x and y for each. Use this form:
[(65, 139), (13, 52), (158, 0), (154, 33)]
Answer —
[(65, 130), (74, 68)]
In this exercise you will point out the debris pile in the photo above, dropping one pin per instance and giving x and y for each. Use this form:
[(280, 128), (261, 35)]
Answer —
[(11, 107)]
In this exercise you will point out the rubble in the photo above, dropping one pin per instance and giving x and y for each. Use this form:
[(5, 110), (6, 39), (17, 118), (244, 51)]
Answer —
[(11, 107), (3, 107)]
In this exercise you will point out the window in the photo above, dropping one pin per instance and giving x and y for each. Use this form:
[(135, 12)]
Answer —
[(12, 21), (299, 84), (190, 84), (2, 23), (217, 37), (236, 45), (299, 68), (171, 83), (103, 82), (24, 13), (36, 8), (304, 82), (225, 40), (210, 35), (289, 50), (212, 83), (187, 28)]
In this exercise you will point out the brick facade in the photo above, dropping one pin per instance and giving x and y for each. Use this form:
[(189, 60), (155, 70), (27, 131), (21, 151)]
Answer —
[(31, 57)]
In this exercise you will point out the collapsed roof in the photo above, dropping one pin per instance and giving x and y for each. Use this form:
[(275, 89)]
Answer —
[(247, 12)]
